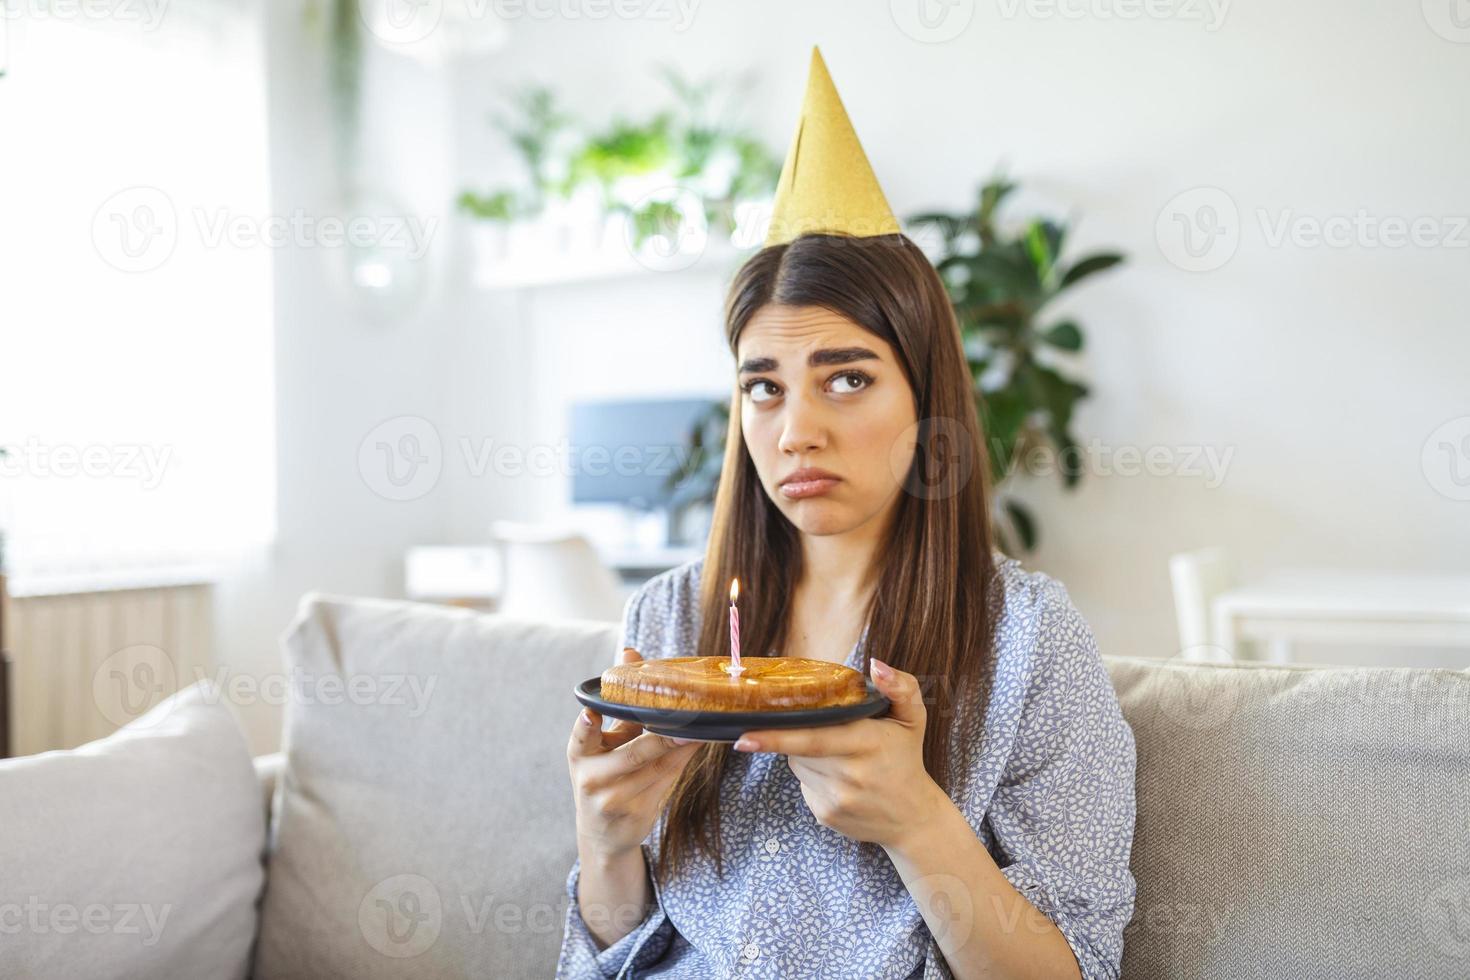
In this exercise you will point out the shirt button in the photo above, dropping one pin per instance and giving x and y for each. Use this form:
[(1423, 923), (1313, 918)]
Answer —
[(750, 952), (772, 846)]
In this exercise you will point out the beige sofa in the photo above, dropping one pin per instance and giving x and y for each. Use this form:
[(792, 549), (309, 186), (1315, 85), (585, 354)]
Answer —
[(1293, 822)]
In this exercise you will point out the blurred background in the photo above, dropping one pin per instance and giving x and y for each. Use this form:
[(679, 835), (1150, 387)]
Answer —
[(424, 299)]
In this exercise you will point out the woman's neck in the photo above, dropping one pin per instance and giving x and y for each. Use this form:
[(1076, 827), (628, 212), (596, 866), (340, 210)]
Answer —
[(839, 571)]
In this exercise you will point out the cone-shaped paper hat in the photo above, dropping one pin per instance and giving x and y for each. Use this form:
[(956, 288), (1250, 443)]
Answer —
[(826, 183)]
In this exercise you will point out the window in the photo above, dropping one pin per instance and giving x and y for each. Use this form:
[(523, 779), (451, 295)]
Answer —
[(136, 395)]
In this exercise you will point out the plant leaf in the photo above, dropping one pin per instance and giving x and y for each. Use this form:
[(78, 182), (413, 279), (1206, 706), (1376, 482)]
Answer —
[(1065, 335), (1024, 525), (1093, 263)]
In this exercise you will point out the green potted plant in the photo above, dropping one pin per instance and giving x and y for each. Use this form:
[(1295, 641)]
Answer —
[(1000, 283), (693, 148)]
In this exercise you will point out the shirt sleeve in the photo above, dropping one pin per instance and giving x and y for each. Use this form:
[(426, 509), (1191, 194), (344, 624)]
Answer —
[(581, 958), (1063, 812)]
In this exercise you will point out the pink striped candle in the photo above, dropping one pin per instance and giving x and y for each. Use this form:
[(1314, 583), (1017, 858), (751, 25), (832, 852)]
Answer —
[(735, 666)]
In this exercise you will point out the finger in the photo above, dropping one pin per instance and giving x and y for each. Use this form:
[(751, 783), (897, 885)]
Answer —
[(661, 771), (900, 688), (813, 767), (645, 750), (621, 733), (586, 737), (657, 788), (621, 730), (623, 766), (831, 741)]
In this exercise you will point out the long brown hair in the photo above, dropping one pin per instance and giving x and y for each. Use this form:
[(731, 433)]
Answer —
[(933, 609)]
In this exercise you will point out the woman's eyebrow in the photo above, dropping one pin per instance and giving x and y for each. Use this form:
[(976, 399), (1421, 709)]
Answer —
[(817, 358)]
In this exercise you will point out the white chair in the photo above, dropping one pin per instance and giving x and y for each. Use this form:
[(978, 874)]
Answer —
[(553, 572), (1198, 577)]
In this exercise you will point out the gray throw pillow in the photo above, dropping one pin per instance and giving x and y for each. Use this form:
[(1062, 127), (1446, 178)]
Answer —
[(137, 855), (1298, 821), (423, 824)]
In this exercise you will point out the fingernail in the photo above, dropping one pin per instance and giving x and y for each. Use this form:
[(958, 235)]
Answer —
[(743, 744), (881, 670), (681, 741), (586, 717)]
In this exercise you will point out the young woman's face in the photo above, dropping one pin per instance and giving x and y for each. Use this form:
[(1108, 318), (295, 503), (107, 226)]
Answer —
[(820, 391)]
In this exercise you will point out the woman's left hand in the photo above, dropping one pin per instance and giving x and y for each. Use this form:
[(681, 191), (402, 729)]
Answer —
[(865, 779)]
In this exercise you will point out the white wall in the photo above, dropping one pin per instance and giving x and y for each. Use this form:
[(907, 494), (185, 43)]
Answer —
[(339, 373), (1321, 370)]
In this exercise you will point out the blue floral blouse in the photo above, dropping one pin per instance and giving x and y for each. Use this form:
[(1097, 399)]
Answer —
[(1045, 778)]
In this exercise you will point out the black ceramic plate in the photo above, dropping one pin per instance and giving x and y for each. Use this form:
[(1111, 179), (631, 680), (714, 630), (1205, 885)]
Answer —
[(725, 726)]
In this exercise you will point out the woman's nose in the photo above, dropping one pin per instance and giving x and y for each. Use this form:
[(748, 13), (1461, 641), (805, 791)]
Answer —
[(805, 428)]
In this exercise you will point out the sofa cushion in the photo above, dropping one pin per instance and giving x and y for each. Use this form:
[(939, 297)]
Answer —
[(423, 824), (1298, 821), (138, 855)]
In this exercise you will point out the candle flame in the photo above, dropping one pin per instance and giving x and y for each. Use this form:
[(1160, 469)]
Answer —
[(734, 589)]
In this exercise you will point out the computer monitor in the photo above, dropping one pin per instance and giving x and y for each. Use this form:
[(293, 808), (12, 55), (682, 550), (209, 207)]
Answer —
[(623, 452)]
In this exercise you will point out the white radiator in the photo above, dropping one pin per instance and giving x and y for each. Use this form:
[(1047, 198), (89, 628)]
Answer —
[(87, 663)]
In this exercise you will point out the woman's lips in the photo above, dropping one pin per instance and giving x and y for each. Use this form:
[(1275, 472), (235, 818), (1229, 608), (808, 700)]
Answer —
[(800, 489)]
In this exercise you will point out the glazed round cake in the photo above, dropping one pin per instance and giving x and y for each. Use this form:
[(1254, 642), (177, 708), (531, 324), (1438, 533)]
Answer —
[(706, 684)]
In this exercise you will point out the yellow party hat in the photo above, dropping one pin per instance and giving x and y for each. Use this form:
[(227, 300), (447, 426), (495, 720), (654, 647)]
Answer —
[(827, 184)]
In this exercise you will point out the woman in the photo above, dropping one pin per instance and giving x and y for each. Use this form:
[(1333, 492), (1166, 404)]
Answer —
[(983, 827)]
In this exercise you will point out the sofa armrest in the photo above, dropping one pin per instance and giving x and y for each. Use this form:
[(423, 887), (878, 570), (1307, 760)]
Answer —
[(267, 772)]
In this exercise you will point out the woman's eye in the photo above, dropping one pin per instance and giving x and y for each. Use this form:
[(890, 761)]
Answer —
[(751, 388), (861, 379)]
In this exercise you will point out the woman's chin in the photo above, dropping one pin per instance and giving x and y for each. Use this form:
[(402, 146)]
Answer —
[(816, 515)]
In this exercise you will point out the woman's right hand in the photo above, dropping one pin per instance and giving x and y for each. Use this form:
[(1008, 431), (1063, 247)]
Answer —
[(619, 778)]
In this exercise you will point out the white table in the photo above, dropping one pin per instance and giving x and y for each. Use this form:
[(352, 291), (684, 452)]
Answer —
[(1336, 606), (473, 575)]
